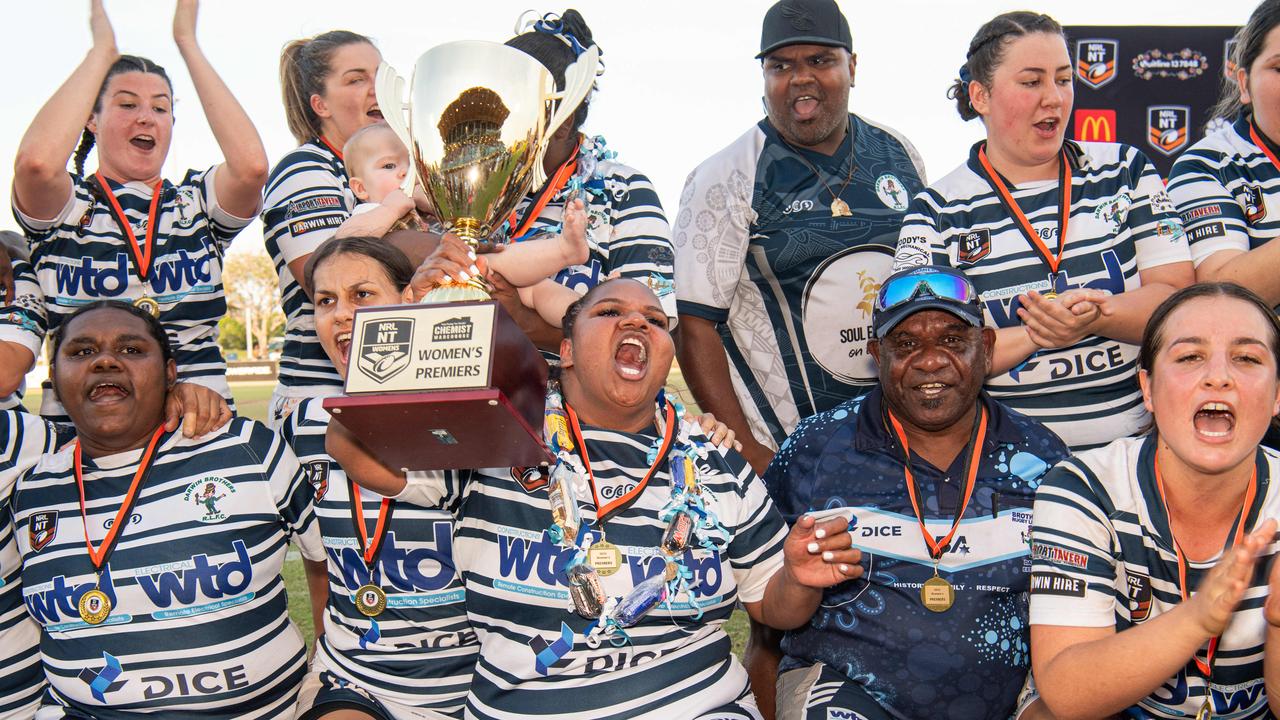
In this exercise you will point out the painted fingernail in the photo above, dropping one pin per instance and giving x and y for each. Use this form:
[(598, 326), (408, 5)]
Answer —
[(448, 279), (474, 270), (813, 547), (464, 276), (844, 569), (828, 556), (471, 253), (820, 533)]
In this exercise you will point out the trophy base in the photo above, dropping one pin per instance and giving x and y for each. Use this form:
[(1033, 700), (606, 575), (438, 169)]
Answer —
[(449, 430)]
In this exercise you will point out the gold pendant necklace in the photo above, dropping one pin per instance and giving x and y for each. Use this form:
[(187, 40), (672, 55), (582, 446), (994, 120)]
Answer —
[(839, 208)]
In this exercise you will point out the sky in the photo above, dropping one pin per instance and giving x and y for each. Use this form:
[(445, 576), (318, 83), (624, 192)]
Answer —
[(681, 80)]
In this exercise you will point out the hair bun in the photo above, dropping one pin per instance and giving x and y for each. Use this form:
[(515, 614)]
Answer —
[(575, 25)]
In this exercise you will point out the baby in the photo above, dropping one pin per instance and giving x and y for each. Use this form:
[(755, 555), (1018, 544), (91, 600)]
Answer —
[(377, 163)]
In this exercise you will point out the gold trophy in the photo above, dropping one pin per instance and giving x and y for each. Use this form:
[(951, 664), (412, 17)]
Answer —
[(453, 382)]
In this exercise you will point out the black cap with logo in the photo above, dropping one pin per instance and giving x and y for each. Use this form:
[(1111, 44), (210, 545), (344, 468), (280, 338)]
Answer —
[(804, 22)]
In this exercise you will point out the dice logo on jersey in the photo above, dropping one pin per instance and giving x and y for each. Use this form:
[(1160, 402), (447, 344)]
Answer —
[(206, 493), (1255, 205), (547, 655), (42, 528), (1167, 127), (384, 351), (1095, 125), (104, 680), (1139, 588), (890, 191), (1096, 61), (974, 245), (318, 475)]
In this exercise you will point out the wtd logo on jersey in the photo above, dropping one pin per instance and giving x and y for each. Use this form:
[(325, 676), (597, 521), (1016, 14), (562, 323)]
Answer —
[(207, 492), (59, 601), (1004, 311), (422, 569), (42, 528), (520, 558), (103, 681), (1096, 62), (1167, 127), (195, 579), (169, 275), (384, 349)]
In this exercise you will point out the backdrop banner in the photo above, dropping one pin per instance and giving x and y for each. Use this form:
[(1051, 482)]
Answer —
[(1150, 87)]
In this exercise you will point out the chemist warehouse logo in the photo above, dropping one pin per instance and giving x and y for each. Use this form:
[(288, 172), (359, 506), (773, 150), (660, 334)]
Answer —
[(1096, 62), (384, 348)]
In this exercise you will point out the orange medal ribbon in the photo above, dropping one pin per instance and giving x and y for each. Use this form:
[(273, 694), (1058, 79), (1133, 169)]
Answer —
[(141, 253), (1011, 206), (1205, 666), (1263, 145), (938, 547), (332, 149), (604, 511), (557, 183), (98, 556), (369, 550)]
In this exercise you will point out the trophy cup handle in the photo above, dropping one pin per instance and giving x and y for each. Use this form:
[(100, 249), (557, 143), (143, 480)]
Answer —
[(578, 79), (389, 87)]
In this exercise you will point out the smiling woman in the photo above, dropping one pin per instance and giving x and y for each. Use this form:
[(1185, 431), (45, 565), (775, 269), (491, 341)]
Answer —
[(124, 232), (174, 528), (1190, 507)]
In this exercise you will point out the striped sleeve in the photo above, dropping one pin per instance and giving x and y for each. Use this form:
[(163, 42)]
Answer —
[(1074, 550), (1153, 221), (713, 229), (223, 226), (920, 240), (640, 246), (290, 487), (37, 229), (304, 205), (1210, 214), (25, 321), (756, 529)]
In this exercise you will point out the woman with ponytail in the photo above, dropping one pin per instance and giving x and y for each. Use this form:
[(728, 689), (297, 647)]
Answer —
[(124, 232), (327, 83), (1071, 245)]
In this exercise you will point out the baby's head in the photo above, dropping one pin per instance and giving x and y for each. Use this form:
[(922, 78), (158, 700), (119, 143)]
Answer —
[(376, 162)]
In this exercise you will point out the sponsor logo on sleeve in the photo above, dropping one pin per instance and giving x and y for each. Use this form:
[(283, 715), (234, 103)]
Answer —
[(302, 227), (1059, 556), (1056, 584), (1096, 61), (1167, 127), (1182, 64), (42, 528), (1139, 589), (1095, 125), (1255, 206), (1206, 231), (974, 245), (318, 475), (1200, 213), (299, 207)]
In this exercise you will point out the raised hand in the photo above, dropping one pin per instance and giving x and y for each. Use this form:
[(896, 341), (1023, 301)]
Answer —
[(104, 37), (819, 554), (184, 21)]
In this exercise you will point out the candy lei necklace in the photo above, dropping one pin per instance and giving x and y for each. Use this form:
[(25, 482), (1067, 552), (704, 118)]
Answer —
[(583, 180), (688, 521)]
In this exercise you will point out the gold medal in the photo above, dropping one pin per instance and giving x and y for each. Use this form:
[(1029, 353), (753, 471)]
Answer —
[(370, 600), (840, 208), (1204, 713), (94, 607), (605, 557), (937, 594), (1051, 295), (148, 305)]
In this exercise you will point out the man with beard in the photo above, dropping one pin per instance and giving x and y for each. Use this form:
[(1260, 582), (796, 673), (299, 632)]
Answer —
[(780, 235), (937, 481)]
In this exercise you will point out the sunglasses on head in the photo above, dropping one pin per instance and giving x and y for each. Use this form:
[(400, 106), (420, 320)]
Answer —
[(905, 288)]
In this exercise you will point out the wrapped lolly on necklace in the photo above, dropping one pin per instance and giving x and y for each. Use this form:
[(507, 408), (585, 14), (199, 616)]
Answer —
[(688, 521)]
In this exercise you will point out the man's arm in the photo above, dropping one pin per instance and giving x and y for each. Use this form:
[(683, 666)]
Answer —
[(706, 368)]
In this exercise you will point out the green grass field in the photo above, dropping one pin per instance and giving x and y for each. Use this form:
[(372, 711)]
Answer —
[(252, 399)]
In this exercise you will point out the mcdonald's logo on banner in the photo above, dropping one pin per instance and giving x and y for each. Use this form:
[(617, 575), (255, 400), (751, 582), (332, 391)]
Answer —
[(1167, 127), (1096, 61), (1096, 125)]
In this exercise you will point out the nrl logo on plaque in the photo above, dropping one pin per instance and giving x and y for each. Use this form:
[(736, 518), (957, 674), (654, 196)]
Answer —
[(385, 347)]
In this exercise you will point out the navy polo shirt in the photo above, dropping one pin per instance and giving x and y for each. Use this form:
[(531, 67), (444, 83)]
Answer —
[(967, 662)]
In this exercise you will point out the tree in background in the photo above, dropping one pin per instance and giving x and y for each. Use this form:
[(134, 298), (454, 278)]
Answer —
[(251, 285)]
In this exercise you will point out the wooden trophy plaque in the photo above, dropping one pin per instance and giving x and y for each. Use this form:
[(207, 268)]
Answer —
[(444, 387)]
